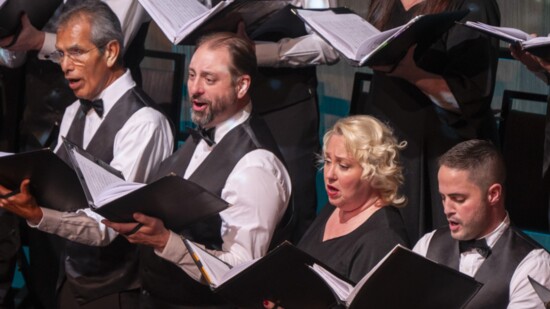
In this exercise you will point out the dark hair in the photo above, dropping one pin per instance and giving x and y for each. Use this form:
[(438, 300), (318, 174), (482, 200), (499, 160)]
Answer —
[(243, 55), (380, 10), (480, 158), (104, 24)]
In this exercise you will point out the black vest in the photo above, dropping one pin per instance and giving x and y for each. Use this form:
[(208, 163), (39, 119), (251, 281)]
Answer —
[(94, 272), (497, 270), (165, 280), (277, 88)]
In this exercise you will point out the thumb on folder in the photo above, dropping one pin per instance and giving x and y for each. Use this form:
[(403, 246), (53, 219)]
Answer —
[(148, 231), (21, 202)]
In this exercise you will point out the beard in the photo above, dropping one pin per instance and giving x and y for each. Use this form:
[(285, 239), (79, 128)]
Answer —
[(214, 108)]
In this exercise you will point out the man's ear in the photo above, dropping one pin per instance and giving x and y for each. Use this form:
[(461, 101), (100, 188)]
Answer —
[(494, 193), (112, 51), (243, 85)]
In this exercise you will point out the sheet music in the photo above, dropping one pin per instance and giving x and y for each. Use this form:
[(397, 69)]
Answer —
[(348, 30), (173, 15), (95, 176), (2, 2)]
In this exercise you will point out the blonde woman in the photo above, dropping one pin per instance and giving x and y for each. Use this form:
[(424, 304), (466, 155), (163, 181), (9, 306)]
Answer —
[(362, 174)]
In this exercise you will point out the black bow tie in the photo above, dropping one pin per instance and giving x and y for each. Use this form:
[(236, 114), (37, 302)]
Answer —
[(206, 134), (97, 105), (480, 245)]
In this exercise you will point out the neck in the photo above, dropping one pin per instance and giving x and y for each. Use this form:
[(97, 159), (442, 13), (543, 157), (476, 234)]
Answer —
[(115, 74), (367, 209), (498, 217), (407, 4)]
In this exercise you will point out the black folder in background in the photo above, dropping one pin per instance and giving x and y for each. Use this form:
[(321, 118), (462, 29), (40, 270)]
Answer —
[(391, 45), (176, 201), (403, 279), (426, 30), (39, 12), (54, 184)]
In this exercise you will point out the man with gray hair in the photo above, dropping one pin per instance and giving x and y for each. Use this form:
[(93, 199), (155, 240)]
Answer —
[(117, 123)]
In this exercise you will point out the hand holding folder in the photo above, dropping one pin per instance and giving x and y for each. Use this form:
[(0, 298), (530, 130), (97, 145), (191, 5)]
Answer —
[(21, 202), (177, 202), (364, 45), (38, 12)]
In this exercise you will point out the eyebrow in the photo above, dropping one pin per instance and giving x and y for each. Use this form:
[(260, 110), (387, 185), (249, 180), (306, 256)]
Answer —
[(72, 47)]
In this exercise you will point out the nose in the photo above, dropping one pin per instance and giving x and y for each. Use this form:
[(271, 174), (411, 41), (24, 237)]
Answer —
[(448, 207), (329, 172), (66, 64), (195, 87)]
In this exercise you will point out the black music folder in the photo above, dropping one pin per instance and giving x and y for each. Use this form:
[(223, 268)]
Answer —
[(542, 291), (364, 45), (54, 184), (293, 279), (176, 201), (538, 46), (39, 12)]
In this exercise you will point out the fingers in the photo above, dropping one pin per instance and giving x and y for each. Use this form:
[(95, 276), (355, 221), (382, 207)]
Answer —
[(25, 21), (4, 190), (25, 187), (121, 228), (5, 42), (241, 29)]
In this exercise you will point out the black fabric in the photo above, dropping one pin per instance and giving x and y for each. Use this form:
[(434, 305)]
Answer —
[(94, 272), (97, 105), (286, 99), (9, 245), (546, 160), (164, 280), (102, 143), (353, 255), (496, 271), (122, 300), (205, 134), (480, 245), (467, 60)]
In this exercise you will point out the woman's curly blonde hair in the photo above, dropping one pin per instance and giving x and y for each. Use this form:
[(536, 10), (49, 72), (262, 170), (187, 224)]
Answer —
[(373, 145)]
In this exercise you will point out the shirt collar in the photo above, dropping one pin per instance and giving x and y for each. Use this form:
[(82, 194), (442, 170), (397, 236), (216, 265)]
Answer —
[(493, 237), (115, 91), (224, 127)]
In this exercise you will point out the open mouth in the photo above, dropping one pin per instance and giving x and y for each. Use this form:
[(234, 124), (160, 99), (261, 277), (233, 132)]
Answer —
[(332, 191), (199, 106), (453, 225), (74, 83)]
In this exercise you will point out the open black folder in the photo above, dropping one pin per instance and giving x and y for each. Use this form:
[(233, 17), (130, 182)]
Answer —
[(293, 279), (538, 46), (362, 44), (39, 12), (54, 184), (183, 21), (176, 201), (542, 291)]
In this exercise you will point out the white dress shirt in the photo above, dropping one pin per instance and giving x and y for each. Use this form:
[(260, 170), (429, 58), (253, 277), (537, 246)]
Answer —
[(139, 147), (130, 14), (258, 191), (536, 264), (298, 52), (295, 52)]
